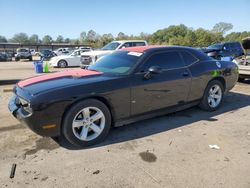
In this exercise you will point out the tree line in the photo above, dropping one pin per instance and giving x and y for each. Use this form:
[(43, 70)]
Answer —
[(172, 35)]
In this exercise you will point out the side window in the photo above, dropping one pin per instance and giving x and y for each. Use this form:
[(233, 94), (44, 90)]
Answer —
[(227, 46), (236, 46), (127, 44), (165, 60), (139, 44), (188, 58)]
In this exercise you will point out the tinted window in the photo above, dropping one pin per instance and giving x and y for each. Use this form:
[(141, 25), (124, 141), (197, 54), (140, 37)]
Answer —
[(139, 44), (227, 46), (126, 45), (236, 45), (165, 60), (188, 58), (119, 62), (215, 46), (111, 46)]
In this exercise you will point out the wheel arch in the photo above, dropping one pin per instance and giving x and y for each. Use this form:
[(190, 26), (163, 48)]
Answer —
[(221, 79), (62, 60), (99, 98)]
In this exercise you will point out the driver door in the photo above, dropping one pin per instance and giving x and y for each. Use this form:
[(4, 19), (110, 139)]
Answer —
[(168, 88)]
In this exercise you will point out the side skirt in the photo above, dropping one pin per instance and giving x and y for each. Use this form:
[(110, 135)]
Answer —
[(156, 113)]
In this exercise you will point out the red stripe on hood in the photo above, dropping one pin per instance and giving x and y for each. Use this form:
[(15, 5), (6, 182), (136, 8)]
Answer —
[(67, 73)]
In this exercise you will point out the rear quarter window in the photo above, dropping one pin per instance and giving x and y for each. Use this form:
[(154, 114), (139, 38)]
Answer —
[(165, 60), (188, 58)]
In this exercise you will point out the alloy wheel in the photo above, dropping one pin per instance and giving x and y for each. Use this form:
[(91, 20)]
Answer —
[(215, 96), (88, 123)]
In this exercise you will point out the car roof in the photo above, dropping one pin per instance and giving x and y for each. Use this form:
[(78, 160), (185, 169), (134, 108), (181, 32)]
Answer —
[(129, 41), (154, 48)]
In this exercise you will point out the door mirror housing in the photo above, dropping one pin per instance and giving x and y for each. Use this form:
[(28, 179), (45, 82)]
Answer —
[(152, 70), (155, 70)]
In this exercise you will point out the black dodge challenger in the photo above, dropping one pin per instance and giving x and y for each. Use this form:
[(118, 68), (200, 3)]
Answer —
[(126, 86)]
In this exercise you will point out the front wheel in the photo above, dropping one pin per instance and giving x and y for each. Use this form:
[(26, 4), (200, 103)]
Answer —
[(213, 96), (87, 123), (62, 64)]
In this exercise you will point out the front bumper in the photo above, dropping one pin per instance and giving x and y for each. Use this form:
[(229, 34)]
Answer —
[(53, 62), (36, 121)]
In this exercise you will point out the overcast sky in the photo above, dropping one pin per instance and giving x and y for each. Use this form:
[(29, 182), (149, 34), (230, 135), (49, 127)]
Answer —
[(69, 18)]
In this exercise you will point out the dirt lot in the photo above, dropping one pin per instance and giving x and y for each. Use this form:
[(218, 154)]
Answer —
[(169, 151)]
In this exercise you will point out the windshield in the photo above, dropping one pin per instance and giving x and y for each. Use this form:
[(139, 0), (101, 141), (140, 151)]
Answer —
[(215, 46), (111, 46), (120, 62)]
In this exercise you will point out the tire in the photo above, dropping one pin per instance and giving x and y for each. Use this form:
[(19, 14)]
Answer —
[(17, 59), (62, 64), (30, 58), (93, 132), (207, 99), (241, 79)]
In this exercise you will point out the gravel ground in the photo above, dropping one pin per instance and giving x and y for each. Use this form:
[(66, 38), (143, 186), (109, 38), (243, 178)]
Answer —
[(168, 151)]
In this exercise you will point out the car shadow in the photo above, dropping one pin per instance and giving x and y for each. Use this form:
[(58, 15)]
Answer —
[(232, 102)]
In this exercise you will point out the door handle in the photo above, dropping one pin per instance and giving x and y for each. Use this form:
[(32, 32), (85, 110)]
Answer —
[(185, 73)]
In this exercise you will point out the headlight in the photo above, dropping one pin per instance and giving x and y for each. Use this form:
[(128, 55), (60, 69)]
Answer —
[(25, 105)]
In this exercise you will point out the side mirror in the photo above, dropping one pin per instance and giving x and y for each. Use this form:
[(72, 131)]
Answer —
[(155, 70)]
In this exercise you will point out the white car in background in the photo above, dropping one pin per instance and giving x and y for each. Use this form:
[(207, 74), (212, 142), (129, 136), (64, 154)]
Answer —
[(71, 60), (91, 57), (62, 51)]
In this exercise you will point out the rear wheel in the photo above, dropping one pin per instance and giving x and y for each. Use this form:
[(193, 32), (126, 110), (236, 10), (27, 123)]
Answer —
[(62, 64), (213, 96), (87, 123)]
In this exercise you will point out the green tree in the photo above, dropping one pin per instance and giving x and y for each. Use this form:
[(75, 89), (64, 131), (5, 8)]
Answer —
[(34, 39), (67, 40), (91, 36), (121, 36), (3, 39), (83, 37), (173, 32), (21, 38), (203, 37), (222, 27), (47, 39), (59, 39), (106, 38), (144, 36)]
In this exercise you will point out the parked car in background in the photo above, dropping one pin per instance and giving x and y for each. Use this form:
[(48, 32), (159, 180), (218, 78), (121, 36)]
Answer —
[(85, 48), (91, 57), (243, 63), (62, 51), (47, 54), (226, 49), (126, 86), (23, 53), (3, 56), (33, 52), (63, 61)]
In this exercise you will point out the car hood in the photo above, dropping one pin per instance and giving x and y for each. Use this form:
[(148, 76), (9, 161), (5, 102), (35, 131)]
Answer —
[(39, 84), (97, 52)]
